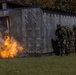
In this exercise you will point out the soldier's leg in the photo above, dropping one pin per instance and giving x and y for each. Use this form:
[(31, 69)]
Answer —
[(69, 48), (58, 48), (66, 49), (75, 45), (61, 49)]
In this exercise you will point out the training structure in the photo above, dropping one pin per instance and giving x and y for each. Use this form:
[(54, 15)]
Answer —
[(33, 27)]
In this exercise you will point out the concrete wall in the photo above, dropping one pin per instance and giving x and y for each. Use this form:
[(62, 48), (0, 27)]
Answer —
[(39, 29), (31, 29), (35, 28), (47, 32), (15, 22), (15, 17), (49, 24)]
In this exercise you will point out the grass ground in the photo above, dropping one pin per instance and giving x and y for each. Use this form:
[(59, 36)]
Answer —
[(47, 65)]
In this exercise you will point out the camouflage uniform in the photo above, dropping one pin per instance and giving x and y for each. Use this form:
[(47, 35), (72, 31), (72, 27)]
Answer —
[(60, 37), (72, 46), (68, 40), (74, 30)]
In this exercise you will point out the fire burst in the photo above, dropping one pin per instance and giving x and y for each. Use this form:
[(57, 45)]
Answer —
[(9, 48)]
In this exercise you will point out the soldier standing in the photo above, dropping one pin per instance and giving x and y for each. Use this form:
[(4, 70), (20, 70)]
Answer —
[(72, 46), (60, 38), (74, 30), (68, 40)]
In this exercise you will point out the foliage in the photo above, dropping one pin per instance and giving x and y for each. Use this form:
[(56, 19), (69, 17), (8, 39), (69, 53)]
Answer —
[(59, 4)]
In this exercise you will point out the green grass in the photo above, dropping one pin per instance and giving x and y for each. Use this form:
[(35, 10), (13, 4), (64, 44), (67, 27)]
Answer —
[(47, 65)]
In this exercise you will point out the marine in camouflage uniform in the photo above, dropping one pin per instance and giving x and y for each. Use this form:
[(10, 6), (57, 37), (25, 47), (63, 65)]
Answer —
[(60, 37), (68, 39), (72, 46), (74, 31)]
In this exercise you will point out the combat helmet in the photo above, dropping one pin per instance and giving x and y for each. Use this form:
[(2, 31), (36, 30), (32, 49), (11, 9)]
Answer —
[(58, 26)]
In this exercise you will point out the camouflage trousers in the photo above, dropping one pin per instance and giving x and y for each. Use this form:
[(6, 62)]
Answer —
[(64, 47), (61, 47)]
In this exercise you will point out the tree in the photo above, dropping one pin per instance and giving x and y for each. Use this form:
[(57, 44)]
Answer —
[(59, 4)]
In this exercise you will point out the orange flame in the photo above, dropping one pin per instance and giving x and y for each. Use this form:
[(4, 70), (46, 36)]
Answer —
[(10, 48)]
